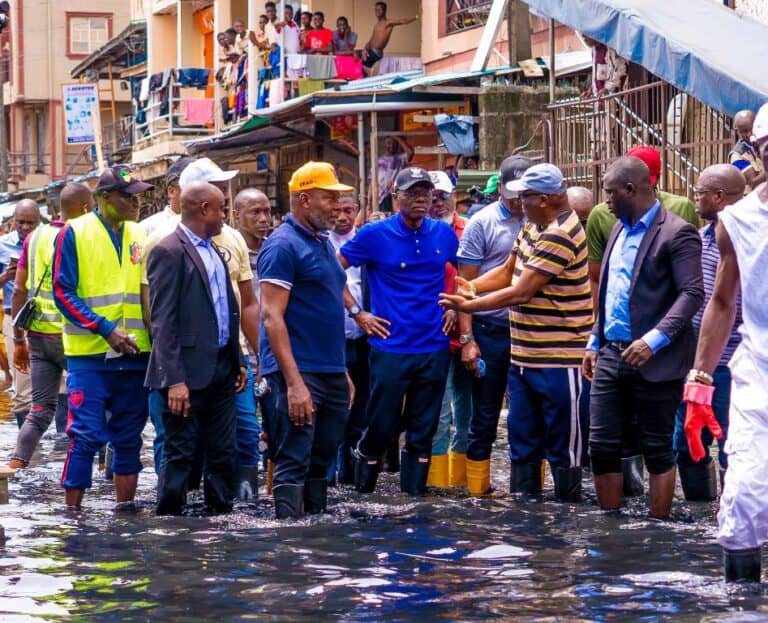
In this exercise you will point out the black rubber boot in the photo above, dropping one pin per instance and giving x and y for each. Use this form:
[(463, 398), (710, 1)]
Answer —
[(20, 417), (366, 473), (391, 462), (742, 565), (109, 454), (414, 471), (346, 472), (62, 414), (248, 483), (567, 483), (632, 470), (525, 478), (289, 501), (699, 481), (315, 495)]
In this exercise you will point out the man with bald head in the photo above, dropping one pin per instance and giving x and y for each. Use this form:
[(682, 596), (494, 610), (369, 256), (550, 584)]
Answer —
[(718, 186), (744, 155), (26, 218), (581, 201), (643, 342), (196, 365)]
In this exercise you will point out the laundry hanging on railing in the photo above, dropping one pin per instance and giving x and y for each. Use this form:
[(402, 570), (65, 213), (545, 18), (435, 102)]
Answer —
[(193, 77), (457, 134)]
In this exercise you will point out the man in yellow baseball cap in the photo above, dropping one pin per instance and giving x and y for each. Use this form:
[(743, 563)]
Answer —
[(302, 342)]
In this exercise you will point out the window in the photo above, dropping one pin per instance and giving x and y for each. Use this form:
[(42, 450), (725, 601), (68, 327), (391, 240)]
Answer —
[(87, 33), (463, 14)]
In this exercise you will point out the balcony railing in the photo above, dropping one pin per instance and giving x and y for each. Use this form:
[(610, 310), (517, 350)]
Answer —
[(171, 116), (464, 14)]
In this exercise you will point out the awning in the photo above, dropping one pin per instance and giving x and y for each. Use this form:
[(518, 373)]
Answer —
[(122, 51), (702, 47)]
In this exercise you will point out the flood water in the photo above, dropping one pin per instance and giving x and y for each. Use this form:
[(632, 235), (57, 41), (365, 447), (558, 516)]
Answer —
[(375, 558)]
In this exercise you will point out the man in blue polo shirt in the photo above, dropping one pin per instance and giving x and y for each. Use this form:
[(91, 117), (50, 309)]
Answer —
[(405, 256), (302, 345)]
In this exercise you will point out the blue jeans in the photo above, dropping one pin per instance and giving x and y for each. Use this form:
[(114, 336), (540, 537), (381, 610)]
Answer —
[(156, 404), (721, 401), (248, 429), (456, 408)]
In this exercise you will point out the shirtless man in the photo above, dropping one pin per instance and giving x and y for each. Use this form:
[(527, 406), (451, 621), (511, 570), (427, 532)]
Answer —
[(382, 31)]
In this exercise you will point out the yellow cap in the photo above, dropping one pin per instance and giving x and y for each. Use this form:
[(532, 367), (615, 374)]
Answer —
[(320, 175)]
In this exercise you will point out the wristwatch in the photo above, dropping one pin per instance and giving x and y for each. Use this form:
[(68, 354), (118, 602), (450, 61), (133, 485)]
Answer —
[(354, 311), (466, 338), (699, 376)]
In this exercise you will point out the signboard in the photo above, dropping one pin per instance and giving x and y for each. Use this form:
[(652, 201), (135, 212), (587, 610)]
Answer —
[(343, 127), (81, 113)]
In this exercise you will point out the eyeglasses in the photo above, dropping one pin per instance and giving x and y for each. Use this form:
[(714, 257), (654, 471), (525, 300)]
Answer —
[(415, 191), (523, 195), (442, 195)]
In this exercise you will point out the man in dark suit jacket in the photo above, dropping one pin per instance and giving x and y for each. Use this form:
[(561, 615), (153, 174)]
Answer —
[(196, 361), (643, 342)]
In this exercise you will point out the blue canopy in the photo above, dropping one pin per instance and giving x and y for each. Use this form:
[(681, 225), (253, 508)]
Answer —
[(701, 47)]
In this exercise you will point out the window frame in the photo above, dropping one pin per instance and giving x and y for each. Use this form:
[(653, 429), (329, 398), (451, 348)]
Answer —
[(70, 15)]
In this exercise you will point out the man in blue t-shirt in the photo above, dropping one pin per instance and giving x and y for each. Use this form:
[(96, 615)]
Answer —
[(405, 257), (302, 344)]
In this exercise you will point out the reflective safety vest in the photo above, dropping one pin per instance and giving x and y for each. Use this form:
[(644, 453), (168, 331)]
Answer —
[(47, 318), (110, 287)]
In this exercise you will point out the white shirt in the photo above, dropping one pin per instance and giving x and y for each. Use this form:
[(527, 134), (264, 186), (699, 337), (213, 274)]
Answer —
[(271, 32), (354, 283), (290, 35), (166, 219)]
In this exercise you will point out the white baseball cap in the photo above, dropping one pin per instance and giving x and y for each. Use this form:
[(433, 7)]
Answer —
[(441, 181), (204, 170), (760, 126)]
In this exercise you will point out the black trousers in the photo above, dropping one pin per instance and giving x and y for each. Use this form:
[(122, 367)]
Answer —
[(360, 373), (624, 405), (302, 452), (211, 423), (406, 394)]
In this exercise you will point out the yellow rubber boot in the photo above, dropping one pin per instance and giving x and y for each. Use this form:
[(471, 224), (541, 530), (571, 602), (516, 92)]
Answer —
[(478, 477), (438, 471), (270, 474), (457, 469)]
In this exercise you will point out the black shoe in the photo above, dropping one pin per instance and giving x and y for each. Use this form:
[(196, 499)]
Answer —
[(414, 471), (366, 472), (567, 483), (109, 454), (289, 501), (346, 473), (248, 483), (742, 565), (315, 495), (525, 478), (391, 462), (632, 470), (699, 481)]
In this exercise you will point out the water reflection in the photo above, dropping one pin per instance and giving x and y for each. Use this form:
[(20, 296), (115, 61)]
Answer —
[(386, 557)]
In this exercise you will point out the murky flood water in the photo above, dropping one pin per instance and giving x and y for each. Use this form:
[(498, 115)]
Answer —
[(383, 557)]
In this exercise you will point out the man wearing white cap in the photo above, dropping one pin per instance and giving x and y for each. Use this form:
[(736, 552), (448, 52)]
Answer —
[(232, 246), (742, 238)]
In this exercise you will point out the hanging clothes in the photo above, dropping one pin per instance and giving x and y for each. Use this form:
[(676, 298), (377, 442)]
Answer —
[(457, 134), (348, 67), (320, 67), (307, 86), (194, 77), (197, 111)]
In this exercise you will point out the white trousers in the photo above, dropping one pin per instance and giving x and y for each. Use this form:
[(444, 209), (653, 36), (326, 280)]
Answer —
[(743, 514)]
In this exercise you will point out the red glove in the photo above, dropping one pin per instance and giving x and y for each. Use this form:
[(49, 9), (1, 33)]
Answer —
[(699, 415)]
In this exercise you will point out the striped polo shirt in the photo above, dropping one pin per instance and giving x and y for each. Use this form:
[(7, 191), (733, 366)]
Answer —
[(551, 330)]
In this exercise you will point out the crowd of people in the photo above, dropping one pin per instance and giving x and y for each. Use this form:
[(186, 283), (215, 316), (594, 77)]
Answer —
[(624, 337)]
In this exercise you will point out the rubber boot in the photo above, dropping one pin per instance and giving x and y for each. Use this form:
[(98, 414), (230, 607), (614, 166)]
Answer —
[(632, 470), (525, 478), (366, 473), (315, 495), (742, 565), (567, 483), (268, 478), (413, 473), (346, 463), (248, 483), (109, 454), (478, 477), (457, 469), (62, 413), (699, 481), (20, 417), (438, 471), (289, 501), (391, 462)]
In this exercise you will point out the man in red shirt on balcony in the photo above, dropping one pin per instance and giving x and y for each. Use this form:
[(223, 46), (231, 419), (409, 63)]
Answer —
[(319, 39)]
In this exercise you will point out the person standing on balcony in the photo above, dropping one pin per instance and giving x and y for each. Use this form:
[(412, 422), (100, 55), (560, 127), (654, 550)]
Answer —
[(288, 31), (26, 218), (744, 155), (270, 9), (344, 40), (373, 51), (305, 25), (320, 39), (609, 70)]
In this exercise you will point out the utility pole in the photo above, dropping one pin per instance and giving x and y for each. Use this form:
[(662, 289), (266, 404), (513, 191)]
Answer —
[(3, 140)]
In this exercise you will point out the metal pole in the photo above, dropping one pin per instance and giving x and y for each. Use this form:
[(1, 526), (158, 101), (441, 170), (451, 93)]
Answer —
[(281, 17), (252, 53), (3, 141), (361, 164), (178, 35), (552, 69), (216, 88), (374, 162)]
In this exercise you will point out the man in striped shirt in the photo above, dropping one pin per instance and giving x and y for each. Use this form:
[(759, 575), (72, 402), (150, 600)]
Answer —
[(718, 186), (545, 283)]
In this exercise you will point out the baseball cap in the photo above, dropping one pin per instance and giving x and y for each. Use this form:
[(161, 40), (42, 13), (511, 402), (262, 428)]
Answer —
[(651, 158), (491, 185), (543, 178), (319, 175), (120, 178), (204, 170), (441, 181), (760, 126), (174, 171), (513, 167), (410, 176)]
